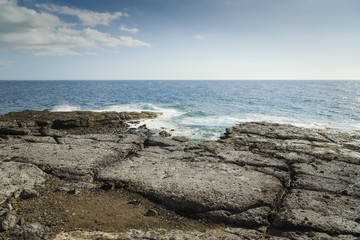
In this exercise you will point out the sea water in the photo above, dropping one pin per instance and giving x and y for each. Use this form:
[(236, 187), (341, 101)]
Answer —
[(199, 110)]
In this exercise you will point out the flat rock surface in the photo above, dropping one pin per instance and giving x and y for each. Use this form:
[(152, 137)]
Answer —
[(75, 156), (269, 180), (195, 185)]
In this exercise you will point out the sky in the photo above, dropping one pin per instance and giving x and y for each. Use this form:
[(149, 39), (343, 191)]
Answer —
[(179, 39)]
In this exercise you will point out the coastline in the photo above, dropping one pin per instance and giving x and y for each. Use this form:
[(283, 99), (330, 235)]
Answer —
[(260, 180)]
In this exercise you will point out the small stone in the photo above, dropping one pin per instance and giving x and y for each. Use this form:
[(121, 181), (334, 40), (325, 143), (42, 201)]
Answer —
[(8, 220), (27, 194), (151, 213), (74, 192), (142, 127), (164, 134), (62, 189)]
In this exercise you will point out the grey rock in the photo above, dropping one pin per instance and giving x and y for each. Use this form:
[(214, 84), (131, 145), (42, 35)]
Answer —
[(160, 141), (164, 134), (8, 220), (180, 139), (15, 176), (331, 213), (273, 176), (209, 234), (334, 177), (33, 231), (193, 186), (78, 158)]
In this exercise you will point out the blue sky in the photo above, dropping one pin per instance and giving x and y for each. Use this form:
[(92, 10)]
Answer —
[(179, 39)]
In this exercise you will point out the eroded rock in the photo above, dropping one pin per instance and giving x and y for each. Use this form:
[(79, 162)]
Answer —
[(14, 177)]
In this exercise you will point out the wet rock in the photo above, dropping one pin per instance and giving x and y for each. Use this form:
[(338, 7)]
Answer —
[(76, 119)]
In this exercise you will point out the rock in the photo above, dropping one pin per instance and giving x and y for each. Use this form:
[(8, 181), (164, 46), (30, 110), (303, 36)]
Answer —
[(33, 231), (74, 192), (209, 234), (272, 178), (142, 126), (76, 119), (151, 213), (79, 157), (319, 211), (10, 131), (62, 189), (164, 134), (28, 193), (192, 182), (160, 141), (8, 220), (180, 139), (15, 176)]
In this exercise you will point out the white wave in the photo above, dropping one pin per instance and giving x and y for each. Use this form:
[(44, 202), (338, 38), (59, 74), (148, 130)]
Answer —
[(200, 128), (65, 108)]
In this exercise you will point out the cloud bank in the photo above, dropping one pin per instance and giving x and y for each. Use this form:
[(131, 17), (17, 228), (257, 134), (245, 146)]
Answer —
[(26, 31), (88, 18)]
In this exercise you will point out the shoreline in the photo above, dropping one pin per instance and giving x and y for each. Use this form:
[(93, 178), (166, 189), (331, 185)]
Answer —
[(260, 180)]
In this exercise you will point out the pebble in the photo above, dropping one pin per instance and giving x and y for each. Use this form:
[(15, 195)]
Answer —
[(151, 213)]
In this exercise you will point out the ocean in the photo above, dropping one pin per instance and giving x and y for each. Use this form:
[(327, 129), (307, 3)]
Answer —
[(199, 110)]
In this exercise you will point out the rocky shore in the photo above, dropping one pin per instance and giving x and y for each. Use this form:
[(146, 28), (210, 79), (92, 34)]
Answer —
[(87, 175)]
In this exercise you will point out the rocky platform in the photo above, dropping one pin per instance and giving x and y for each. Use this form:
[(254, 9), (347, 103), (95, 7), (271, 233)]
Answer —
[(259, 181)]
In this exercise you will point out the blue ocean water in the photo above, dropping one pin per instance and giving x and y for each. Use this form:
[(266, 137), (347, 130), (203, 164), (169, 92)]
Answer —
[(200, 110)]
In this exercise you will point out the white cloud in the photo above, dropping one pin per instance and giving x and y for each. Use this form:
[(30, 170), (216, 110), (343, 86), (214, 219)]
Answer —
[(200, 37), (125, 29), (88, 18), (27, 31)]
